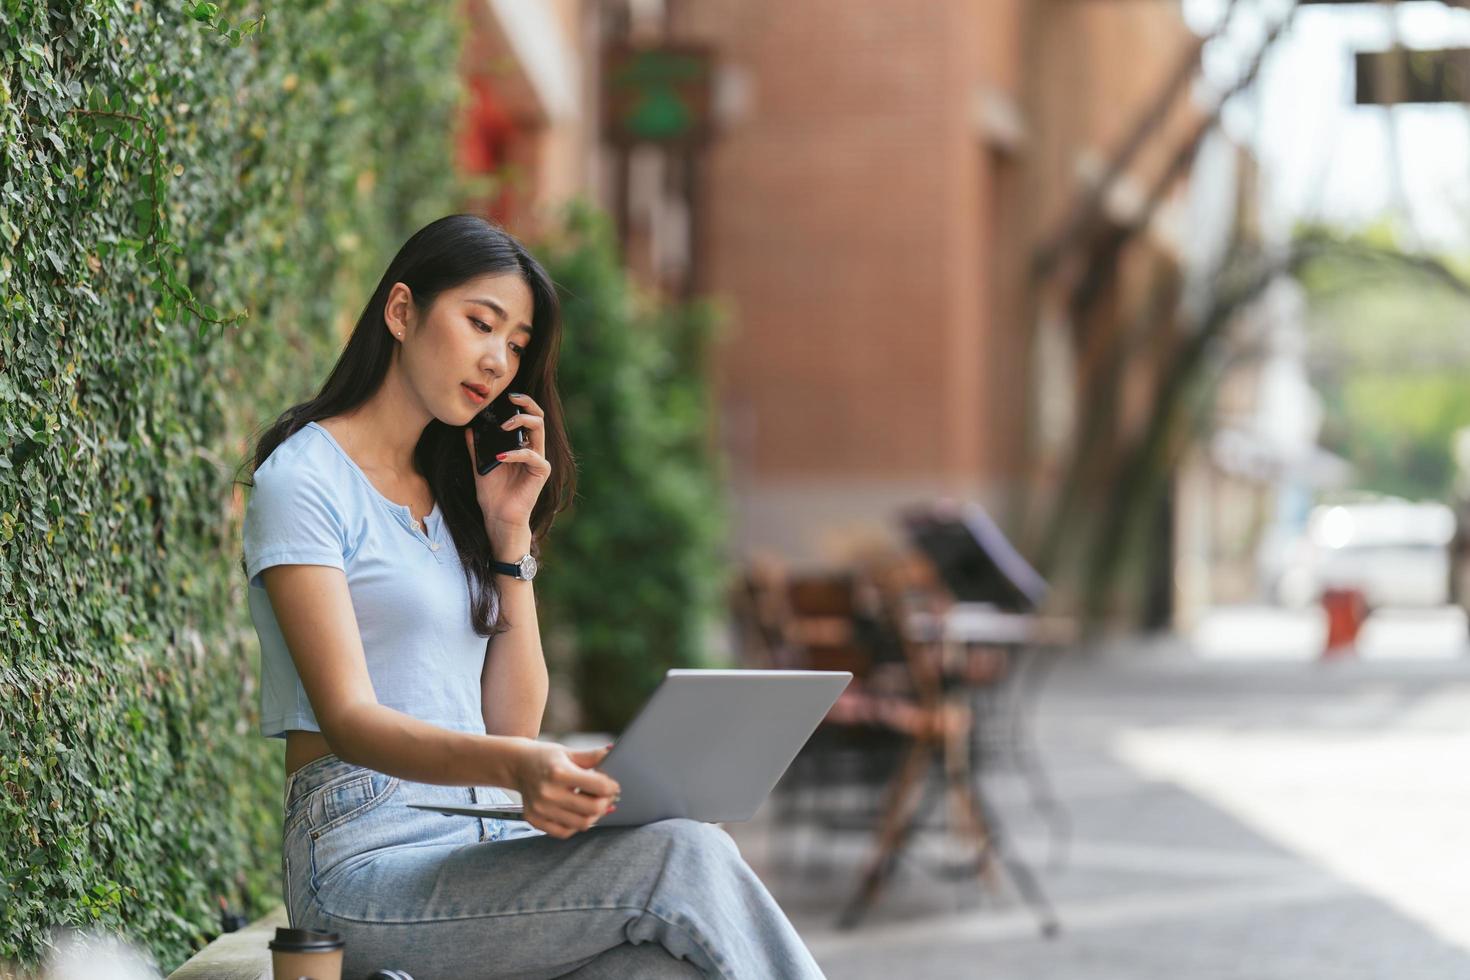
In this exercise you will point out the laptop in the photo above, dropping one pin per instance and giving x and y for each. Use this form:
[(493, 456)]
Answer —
[(708, 745)]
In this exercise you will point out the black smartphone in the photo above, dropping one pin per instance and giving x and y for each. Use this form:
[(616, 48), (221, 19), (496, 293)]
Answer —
[(490, 438)]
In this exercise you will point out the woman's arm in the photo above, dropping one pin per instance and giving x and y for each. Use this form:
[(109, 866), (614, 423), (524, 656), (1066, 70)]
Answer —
[(513, 682), (313, 607), (314, 610)]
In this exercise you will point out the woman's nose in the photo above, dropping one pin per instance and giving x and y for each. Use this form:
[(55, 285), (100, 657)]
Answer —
[(496, 358)]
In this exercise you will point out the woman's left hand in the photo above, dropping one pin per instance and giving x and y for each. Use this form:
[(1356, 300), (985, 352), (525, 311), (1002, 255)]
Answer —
[(508, 492)]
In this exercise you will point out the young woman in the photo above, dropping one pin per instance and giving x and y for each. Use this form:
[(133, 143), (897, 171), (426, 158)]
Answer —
[(401, 662)]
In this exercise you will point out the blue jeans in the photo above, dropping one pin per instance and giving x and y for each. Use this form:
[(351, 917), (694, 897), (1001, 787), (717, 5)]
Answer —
[(455, 898)]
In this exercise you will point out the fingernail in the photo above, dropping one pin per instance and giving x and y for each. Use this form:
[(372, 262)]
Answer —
[(612, 809), (500, 455), (516, 394)]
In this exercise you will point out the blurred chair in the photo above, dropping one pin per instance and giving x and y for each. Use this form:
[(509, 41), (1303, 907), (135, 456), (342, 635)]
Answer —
[(904, 718), (815, 621), (943, 745)]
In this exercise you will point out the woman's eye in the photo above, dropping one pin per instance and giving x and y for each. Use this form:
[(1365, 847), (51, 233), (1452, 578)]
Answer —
[(486, 328)]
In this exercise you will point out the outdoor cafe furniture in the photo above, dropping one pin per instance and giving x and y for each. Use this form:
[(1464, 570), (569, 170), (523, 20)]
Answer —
[(912, 708), (946, 685)]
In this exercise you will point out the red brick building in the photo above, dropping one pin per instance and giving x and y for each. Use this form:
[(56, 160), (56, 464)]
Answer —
[(877, 183)]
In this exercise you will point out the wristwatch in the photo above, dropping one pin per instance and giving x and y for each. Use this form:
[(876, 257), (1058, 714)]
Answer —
[(524, 568)]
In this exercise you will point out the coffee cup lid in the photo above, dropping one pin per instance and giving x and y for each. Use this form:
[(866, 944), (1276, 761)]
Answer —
[(305, 941)]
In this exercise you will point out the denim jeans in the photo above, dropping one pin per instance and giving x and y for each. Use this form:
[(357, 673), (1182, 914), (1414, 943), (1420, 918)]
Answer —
[(455, 898)]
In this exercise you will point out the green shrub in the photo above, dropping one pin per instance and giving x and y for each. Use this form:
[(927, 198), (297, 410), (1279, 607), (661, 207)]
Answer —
[(634, 569)]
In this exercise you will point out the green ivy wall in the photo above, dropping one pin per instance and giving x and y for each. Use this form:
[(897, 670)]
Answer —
[(163, 168)]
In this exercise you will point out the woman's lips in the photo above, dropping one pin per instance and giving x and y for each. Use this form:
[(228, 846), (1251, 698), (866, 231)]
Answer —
[(474, 395)]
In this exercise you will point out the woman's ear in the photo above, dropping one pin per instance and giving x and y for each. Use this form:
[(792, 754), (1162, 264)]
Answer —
[(398, 310)]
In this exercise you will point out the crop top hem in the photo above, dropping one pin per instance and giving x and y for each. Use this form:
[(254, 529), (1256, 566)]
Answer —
[(278, 727)]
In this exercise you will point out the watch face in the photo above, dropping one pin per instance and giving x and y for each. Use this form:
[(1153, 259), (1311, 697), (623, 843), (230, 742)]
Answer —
[(528, 567)]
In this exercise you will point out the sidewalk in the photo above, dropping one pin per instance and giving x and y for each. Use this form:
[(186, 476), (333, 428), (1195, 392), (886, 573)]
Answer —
[(1232, 818)]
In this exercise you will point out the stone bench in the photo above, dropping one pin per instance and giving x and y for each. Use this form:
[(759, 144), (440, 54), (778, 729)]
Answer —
[(239, 955)]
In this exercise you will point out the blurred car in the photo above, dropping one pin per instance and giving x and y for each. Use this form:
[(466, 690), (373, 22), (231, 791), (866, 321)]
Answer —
[(1396, 551)]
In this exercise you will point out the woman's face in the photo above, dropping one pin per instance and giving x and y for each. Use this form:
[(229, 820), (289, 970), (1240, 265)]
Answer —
[(472, 339)]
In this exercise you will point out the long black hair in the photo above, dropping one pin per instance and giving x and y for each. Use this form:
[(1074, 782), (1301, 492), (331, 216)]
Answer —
[(443, 255)]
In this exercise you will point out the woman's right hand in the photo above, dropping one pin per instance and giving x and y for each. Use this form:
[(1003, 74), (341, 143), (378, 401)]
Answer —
[(563, 794)]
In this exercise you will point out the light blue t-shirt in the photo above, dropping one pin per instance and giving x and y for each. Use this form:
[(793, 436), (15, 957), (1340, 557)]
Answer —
[(312, 505)]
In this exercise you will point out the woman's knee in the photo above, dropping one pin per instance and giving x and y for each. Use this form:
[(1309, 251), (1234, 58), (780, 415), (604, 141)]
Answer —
[(696, 835), (697, 855)]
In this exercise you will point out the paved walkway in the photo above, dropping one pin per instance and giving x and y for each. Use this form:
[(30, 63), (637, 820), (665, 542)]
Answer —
[(1231, 818)]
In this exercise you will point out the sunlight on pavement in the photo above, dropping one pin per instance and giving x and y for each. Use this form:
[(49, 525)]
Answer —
[(1386, 811)]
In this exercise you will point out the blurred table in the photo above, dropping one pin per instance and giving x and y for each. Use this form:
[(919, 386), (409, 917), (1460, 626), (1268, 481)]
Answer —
[(980, 623), (956, 634)]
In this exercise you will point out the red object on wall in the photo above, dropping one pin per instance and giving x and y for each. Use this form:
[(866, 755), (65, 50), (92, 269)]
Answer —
[(485, 142), (1346, 610)]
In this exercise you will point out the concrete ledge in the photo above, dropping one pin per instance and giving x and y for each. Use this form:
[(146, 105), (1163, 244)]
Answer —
[(241, 955)]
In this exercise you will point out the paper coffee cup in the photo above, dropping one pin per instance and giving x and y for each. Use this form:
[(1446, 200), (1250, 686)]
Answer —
[(306, 953)]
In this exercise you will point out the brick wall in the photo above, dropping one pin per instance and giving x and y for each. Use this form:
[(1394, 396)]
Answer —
[(871, 241)]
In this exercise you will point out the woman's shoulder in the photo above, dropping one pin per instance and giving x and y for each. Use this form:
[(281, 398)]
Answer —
[(305, 456), (300, 509)]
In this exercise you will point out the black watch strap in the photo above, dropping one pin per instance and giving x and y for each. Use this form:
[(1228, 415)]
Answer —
[(515, 569)]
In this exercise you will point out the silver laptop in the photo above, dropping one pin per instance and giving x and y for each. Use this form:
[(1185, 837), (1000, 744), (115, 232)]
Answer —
[(708, 744)]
